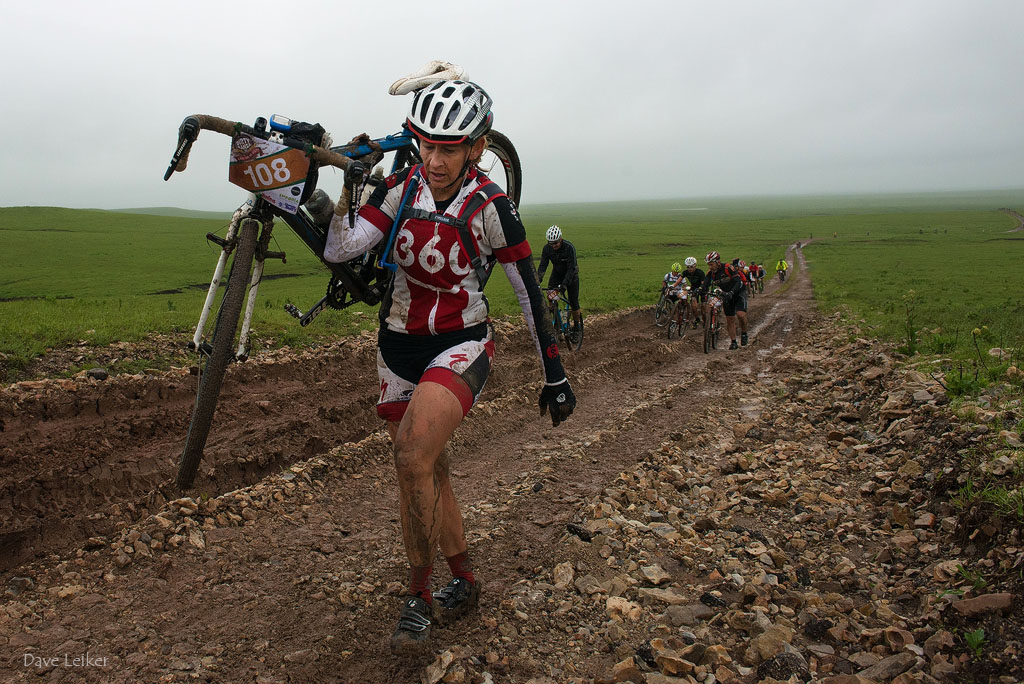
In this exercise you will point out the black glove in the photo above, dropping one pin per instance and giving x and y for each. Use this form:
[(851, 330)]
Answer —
[(561, 288), (559, 399)]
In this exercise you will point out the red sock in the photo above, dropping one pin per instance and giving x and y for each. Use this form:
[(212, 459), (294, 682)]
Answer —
[(460, 567), (419, 581)]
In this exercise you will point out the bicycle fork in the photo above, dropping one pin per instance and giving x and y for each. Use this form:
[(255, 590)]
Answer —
[(227, 245)]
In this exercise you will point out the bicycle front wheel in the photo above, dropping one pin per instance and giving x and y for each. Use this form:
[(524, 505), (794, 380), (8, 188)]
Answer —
[(673, 326), (575, 336), (661, 311), (684, 319), (221, 350)]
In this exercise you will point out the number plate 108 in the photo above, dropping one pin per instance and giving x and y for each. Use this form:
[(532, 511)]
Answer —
[(275, 171)]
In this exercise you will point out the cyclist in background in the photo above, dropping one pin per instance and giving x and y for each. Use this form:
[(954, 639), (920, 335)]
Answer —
[(565, 273), (756, 271), (781, 268), (740, 267), (673, 279), (734, 303), (435, 343), (673, 283), (695, 277)]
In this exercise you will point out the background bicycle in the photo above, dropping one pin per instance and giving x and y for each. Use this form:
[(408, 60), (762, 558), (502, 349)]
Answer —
[(561, 319), (680, 317), (663, 307), (713, 320), (277, 161)]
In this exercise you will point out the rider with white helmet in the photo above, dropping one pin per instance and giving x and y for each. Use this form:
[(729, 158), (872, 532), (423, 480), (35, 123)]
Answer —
[(565, 274), (435, 345)]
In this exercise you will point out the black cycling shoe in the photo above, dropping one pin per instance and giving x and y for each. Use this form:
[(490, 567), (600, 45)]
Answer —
[(734, 345), (743, 339), (456, 599), (412, 635)]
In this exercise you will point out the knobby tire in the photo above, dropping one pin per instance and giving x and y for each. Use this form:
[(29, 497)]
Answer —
[(502, 148), (659, 311), (710, 333), (222, 348), (674, 326), (575, 338)]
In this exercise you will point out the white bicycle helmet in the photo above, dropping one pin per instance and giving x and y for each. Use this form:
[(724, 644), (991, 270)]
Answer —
[(450, 112), (554, 234), (690, 261)]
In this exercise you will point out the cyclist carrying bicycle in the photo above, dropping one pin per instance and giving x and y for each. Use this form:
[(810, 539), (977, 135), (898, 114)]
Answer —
[(435, 345), (565, 273), (695, 277), (734, 303)]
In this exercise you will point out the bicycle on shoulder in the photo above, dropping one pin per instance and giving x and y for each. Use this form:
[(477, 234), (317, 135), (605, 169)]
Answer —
[(561, 319), (277, 161)]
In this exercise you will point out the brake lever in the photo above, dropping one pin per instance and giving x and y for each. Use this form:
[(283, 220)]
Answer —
[(188, 131), (354, 176)]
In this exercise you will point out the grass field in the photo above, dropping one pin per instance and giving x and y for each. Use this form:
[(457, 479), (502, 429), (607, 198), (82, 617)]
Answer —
[(69, 275)]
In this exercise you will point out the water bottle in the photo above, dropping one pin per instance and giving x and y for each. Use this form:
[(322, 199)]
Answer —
[(320, 208)]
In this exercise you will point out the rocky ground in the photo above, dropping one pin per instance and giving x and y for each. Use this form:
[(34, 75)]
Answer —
[(806, 509)]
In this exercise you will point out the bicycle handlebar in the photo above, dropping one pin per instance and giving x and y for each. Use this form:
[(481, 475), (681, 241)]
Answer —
[(189, 131)]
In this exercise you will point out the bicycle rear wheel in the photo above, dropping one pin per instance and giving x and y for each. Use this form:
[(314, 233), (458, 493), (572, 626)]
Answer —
[(222, 346), (500, 163)]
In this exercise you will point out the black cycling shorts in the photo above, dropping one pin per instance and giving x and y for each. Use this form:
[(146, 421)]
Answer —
[(738, 302), (404, 361)]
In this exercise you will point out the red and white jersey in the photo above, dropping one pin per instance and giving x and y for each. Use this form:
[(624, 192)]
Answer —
[(435, 289)]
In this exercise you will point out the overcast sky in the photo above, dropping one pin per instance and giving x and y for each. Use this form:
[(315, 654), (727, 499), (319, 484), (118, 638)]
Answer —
[(603, 99)]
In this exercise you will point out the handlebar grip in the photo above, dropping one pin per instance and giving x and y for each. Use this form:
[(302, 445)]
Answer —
[(330, 158), (191, 125), (188, 131)]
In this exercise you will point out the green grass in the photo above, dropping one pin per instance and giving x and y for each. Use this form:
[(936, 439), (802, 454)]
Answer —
[(939, 282), (97, 276), (71, 275)]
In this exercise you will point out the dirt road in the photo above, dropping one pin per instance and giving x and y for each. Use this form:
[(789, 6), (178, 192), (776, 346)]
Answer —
[(287, 563), (78, 457)]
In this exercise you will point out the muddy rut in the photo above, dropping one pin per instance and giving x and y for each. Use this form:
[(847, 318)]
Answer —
[(81, 460)]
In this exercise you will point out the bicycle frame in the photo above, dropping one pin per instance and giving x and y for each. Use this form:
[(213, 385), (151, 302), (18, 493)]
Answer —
[(279, 167), (304, 227), (561, 314)]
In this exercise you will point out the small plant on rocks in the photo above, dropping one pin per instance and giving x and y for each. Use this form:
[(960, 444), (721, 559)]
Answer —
[(975, 641)]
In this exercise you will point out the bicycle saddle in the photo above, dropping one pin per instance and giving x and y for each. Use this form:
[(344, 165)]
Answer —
[(432, 72)]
